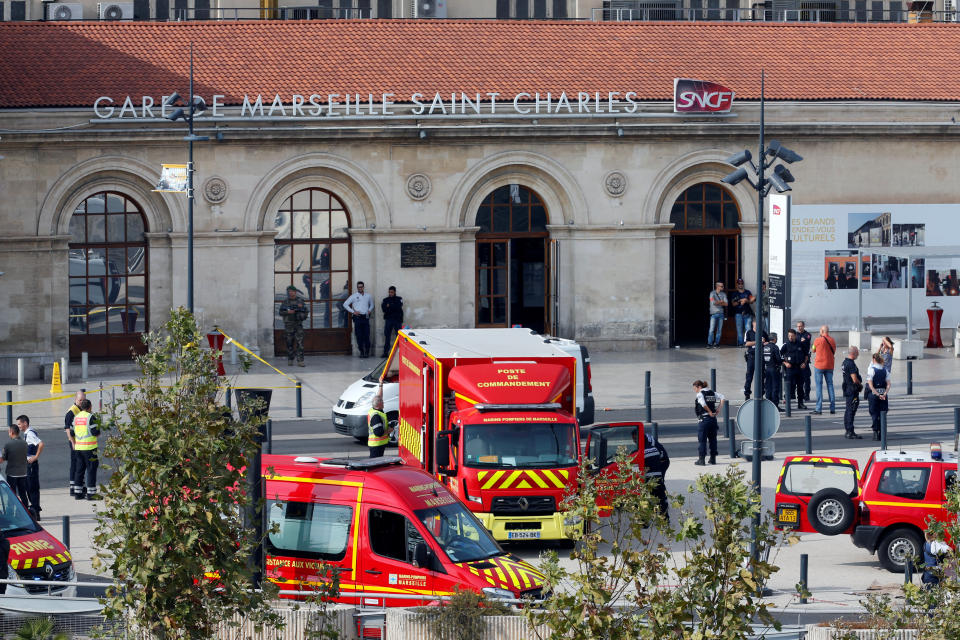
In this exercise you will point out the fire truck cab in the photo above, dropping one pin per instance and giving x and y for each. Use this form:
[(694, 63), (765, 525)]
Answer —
[(388, 528)]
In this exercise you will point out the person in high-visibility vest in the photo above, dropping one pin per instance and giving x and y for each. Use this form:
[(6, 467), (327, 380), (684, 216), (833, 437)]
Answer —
[(67, 428), (377, 434), (85, 431)]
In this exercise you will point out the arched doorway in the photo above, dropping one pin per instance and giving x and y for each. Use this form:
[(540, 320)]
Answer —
[(704, 249), (109, 301), (512, 267), (312, 253)]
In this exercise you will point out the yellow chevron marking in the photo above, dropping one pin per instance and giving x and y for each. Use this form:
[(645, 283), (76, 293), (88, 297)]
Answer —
[(506, 484), (498, 570), (537, 479), (481, 475), (15, 564), (514, 580), (493, 480), (28, 563), (523, 484), (564, 473), (491, 580), (557, 482)]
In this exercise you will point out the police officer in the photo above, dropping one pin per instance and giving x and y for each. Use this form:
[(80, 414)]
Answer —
[(706, 406), (804, 339), (792, 355), (852, 384), (750, 340), (377, 434), (771, 370), (85, 431), (656, 461), (294, 311)]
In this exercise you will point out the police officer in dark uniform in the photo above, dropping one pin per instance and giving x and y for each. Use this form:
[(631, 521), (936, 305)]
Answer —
[(852, 384), (804, 339), (706, 406), (655, 465), (771, 370), (792, 355), (749, 355)]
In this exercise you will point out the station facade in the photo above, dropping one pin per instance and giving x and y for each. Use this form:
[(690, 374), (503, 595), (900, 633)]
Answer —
[(473, 187)]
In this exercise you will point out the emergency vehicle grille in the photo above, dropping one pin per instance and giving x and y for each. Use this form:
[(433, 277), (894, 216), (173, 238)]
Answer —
[(534, 594), (61, 572), (540, 505), (343, 429)]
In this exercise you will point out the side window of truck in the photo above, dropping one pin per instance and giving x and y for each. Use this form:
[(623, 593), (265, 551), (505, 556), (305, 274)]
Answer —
[(949, 479), (393, 536), (310, 530), (908, 483)]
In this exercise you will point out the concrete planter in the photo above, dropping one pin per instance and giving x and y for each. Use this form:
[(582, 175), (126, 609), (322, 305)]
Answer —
[(816, 632), (403, 623)]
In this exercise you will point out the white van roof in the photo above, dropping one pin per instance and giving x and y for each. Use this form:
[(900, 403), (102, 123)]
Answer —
[(515, 343)]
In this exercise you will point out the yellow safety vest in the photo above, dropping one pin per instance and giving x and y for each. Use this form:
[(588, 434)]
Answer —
[(81, 428), (375, 440)]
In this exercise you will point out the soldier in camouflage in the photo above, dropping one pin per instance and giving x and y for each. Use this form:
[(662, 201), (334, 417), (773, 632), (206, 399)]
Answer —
[(294, 312)]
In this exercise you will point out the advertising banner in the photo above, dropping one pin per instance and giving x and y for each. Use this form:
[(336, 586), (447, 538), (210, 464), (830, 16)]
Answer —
[(778, 286), (173, 178), (827, 241)]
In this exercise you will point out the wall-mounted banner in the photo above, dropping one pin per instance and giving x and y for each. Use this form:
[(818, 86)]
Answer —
[(700, 96), (778, 285), (173, 178), (826, 240)]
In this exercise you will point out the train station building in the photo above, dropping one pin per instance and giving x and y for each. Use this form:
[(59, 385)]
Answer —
[(497, 173)]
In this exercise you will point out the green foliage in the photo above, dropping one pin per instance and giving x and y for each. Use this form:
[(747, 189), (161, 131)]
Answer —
[(629, 580), (170, 530), (38, 629), (461, 616), (322, 625)]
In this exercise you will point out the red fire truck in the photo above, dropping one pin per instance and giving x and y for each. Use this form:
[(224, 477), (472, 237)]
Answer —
[(491, 414)]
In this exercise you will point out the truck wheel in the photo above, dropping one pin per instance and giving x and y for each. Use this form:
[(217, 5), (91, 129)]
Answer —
[(361, 439), (898, 547), (393, 424), (830, 511)]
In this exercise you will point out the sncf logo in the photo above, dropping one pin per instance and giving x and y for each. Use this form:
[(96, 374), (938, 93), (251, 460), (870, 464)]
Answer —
[(699, 96), (776, 210)]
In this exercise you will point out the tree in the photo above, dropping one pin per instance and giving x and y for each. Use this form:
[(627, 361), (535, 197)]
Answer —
[(635, 576), (171, 530)]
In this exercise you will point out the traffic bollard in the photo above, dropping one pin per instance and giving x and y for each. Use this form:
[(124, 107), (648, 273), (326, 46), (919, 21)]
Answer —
[(65, 533), (299, 400), (229, 401), (956, 424), (656, 431), (883, 430), (909, 377), (9, 408), (808, 434), (907, 572), (100, 398), (804, 583), (233, 353), (113, 400), (269, 442), (64, 371), (84, 364), (21, 373), (647, 392), (646, 378), (713, 379), (733, 438), (726, 419)]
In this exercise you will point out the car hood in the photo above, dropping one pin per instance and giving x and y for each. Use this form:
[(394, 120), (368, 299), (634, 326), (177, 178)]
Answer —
[(34, 550)]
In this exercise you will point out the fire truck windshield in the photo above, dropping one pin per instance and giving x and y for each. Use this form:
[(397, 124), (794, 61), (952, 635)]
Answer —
[(521, 445), (459, 533)]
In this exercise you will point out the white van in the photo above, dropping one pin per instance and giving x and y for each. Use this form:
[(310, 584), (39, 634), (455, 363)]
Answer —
[(585, 407)]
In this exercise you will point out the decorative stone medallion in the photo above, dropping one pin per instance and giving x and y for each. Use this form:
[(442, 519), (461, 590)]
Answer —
[(615, 183), (418, 186), (215, 190)]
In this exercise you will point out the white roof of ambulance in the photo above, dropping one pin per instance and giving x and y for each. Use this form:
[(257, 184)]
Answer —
[(514, 344)]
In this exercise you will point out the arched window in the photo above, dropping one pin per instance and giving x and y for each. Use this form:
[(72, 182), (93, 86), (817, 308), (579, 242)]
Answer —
[(108, 276), (312, 253), (704, 207)]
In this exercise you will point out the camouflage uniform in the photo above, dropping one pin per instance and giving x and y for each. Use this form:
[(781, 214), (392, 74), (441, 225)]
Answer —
[(293, 327)]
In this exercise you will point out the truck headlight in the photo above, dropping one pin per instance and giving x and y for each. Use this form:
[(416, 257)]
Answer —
[(572, 521), (498, 594), (365, 399)]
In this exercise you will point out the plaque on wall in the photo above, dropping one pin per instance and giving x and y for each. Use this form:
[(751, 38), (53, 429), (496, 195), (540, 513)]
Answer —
[(418, 254)]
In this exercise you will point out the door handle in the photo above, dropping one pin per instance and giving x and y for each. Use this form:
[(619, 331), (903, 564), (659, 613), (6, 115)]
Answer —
[(375, 572)]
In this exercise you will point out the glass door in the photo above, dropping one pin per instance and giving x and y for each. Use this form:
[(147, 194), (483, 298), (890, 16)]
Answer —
[(493, 257)]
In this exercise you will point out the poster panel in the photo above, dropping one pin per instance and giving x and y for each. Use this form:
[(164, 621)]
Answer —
[(778, 283)]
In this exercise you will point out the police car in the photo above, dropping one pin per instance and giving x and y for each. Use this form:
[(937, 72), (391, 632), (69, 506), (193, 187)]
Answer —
[(885, 508)]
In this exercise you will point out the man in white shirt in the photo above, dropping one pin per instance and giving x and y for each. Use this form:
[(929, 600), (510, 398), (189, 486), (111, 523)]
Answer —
[(34, 449), (360, 306)]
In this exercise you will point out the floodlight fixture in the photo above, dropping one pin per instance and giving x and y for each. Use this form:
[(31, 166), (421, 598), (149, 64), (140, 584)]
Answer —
[(783, 173), (778, 183), (738, 159), (777, 150), (171, 99), (176, 115), (199, 104), (735, 177)]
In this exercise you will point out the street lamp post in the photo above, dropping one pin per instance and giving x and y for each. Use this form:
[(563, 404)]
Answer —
[(194, 106), (779, 178)]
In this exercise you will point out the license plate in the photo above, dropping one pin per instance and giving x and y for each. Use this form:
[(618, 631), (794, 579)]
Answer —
[(523, 535), (338, 420), (788, 516)]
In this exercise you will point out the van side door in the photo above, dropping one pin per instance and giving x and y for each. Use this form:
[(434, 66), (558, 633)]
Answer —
[(388, 565)]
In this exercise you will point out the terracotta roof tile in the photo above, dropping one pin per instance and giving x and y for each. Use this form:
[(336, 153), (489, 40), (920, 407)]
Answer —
[(73, 63)]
